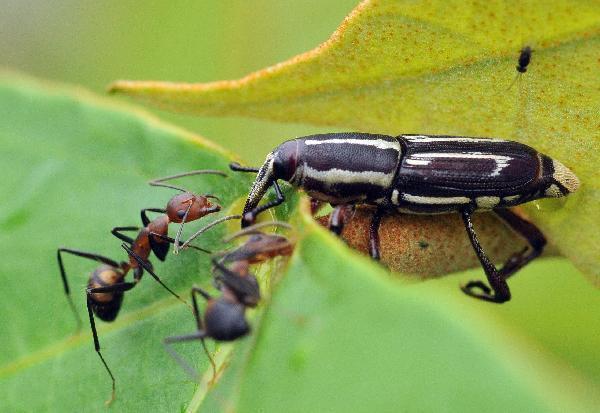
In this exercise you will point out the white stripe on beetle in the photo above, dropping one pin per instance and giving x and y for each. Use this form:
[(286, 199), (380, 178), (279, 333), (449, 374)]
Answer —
[(340, 176), (378, 143), (435, 200), (426, 139)]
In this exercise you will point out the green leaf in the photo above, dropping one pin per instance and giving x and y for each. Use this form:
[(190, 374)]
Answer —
[(334, 334), (340, 335), (73, 166), (404, 67)]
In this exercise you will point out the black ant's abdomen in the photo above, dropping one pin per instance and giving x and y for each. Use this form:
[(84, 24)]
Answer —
[(225, 320), (108, 311)]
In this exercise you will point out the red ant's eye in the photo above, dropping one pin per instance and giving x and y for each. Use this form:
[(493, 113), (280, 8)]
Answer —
[(181, 213)]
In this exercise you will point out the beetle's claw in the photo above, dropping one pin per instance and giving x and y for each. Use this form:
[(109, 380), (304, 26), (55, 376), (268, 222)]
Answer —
[(472, 285)]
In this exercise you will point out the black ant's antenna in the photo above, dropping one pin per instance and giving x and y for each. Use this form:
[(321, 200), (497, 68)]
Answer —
[(159, 181), (207, 227), (254, 229)]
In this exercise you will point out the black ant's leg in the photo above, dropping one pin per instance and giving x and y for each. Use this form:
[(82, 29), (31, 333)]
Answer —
[(116, 231), (250, 216), (527, 230), (180, 230), (234, 166), (145, 219), (146, 265), (501, 292), (63, 274), (159, 181), (374, 234), (207, 227), (338, 218), (120, 287), (172, 241), (200, 334)]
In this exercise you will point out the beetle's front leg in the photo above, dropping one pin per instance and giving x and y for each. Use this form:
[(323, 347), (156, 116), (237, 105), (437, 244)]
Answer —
[(496, 279), (374, 234), (249, 217)]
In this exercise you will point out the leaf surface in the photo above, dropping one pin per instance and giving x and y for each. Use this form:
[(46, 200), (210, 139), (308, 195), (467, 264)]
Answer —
[(334, 327), (73, 167), (442, 67)]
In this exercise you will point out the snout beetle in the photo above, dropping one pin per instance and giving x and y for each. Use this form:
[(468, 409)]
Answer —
[(419, 174)]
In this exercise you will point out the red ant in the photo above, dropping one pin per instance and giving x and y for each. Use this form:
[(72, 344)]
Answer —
[(224, 318), (181, 208), (106, 285), (105, 290)]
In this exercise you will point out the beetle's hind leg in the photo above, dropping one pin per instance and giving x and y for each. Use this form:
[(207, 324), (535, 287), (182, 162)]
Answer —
[(499, 292), (527, 230)]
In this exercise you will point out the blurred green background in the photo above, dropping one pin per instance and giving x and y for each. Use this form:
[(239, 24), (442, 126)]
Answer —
[(94, 43)]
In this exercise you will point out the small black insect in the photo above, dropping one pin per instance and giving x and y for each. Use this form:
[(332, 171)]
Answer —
[(419, 174), (524, 59)]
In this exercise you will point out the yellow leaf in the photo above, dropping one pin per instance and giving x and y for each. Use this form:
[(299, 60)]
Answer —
[(443, 67)]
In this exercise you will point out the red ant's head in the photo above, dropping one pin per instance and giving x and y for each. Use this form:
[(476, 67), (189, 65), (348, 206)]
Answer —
[(196, 206)]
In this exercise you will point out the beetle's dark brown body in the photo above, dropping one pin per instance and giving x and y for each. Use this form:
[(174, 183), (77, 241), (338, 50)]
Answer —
[(418, 174)]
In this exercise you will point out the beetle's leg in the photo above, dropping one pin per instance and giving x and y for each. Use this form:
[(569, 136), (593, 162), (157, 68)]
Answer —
[(234, 166), (315, 206), (527, 230), (374, 234), (63, 274), (250, 216), (200, 334), (501, 292), (116, 231), (120, 287), (338, 218)]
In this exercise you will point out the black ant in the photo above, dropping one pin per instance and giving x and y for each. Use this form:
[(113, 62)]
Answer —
[(105, 290), (524, 59), (224, 318)]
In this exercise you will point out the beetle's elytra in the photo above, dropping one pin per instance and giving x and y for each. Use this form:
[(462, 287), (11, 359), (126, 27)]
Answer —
[(419, 174)]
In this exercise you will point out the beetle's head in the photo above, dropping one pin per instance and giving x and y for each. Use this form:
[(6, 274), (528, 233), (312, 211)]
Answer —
[(560, 181), (285, 160), (279, 164)]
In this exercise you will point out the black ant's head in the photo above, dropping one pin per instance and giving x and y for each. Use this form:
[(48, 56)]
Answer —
[(262, 247), (196, 206), (225, 319)]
